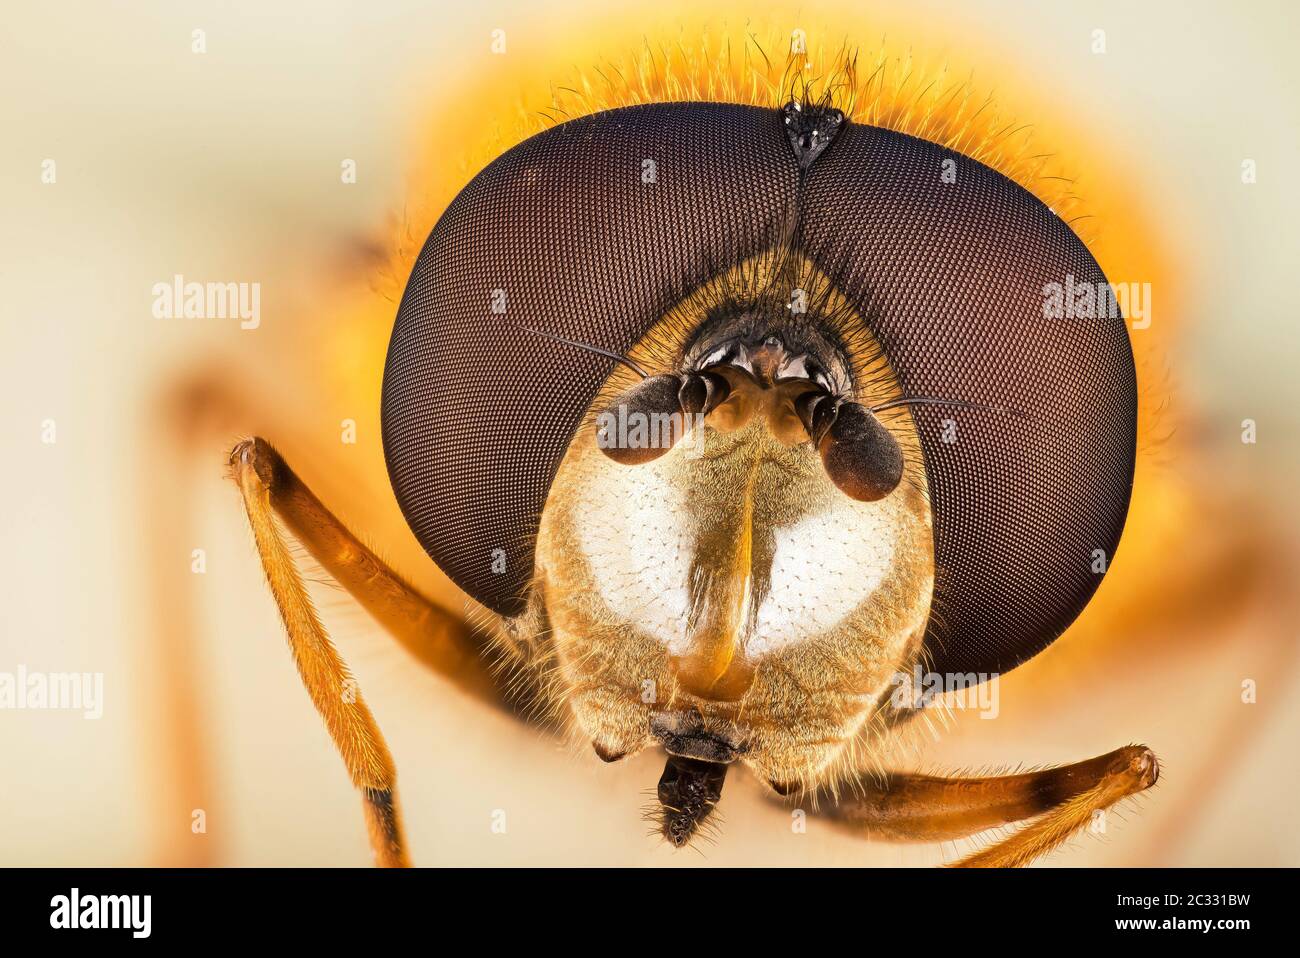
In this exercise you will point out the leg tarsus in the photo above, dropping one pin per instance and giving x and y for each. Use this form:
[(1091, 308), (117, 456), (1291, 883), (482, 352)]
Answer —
[(385, 828), (1131, 770), (1056, 801)]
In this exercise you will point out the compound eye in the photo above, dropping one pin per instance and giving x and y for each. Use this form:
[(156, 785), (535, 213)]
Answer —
[(955, 286), (861, 456)]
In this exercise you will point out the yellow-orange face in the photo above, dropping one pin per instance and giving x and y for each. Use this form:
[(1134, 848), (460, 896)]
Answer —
[(726, 600)]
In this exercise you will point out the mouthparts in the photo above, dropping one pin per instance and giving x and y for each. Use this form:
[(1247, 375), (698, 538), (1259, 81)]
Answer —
[(688, 790), (685, 735)]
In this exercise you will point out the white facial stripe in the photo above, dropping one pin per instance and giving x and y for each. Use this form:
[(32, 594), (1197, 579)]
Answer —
[(639, 541), (638, 546), (825, 566)]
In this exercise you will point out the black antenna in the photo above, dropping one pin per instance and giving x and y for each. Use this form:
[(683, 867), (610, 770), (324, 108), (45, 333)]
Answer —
[(935, 401), (588, 348)]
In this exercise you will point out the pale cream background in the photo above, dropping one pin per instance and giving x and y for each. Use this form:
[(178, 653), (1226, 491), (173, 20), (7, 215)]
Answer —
[(226, 166)]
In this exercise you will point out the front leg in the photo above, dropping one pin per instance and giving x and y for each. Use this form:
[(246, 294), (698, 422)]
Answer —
[(436, 637), (1060, 801), (269, 489)]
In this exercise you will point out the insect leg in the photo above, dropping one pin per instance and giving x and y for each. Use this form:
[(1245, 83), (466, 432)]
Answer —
[(323, 672), (438, 638), (1060, 801)]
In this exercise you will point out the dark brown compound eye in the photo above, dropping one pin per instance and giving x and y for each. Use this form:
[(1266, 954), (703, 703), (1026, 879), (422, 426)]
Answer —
[(561, 234), (861, 456)]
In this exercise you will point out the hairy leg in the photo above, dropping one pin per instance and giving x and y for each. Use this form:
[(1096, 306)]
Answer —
[(1058, 802), (440, 639), (270, 489)]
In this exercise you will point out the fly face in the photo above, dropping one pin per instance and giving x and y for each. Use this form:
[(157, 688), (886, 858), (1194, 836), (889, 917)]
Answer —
[(733, 554), (724, 598)]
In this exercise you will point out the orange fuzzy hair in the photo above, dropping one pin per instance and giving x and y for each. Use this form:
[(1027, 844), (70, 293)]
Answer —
[(901, 91), (898, 93)]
